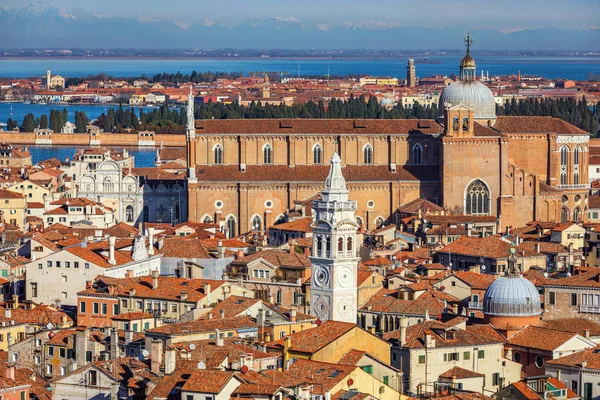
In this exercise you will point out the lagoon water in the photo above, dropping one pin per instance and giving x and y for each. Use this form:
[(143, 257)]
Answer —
[(143, 157), (549, 67)]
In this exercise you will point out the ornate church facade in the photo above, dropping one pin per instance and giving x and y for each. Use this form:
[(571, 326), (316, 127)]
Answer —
[(244, 174)]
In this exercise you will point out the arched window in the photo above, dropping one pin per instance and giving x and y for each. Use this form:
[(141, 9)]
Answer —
[(267, 154), (231, 226), (256, 223), (349, 246), (218, 150), (576, 214), (317, 154), (359, 222), (477, 199), (378, 222), (328, 247), (207, 220), (340, 246), (564, 214), (129, 213), (455, 123), (319, 247), (146, 214), (417, 153), (465, 123), (564, 159), (576, 165), (368, 154)]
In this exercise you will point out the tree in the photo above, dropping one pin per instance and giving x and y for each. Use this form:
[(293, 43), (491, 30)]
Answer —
[(28, 124), (44, 121), (81, 122), (11, 124)]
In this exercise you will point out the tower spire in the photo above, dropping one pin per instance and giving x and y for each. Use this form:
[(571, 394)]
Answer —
[(335, 184)]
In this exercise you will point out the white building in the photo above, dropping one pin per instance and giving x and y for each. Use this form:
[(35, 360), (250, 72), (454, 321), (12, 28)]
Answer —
[(334, 263), (80, 212), (57, 277), (579, 371)]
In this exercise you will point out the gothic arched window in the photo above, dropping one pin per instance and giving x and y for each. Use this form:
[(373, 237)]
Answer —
[(455, 123), (359, 222), (368, 154), (340, 246), (576, 165), (129, 213), (417, 153), (231, 226), (207, 220), (218, 150), (256, 223), (267, 154), (465, 123), (379, 222), (564, 159), (576, 214), (349, 246), (477, 199), (319, 246), (317, 154), (564, 214)]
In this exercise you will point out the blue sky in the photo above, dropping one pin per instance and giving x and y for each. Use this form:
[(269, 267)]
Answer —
[(497, 14)]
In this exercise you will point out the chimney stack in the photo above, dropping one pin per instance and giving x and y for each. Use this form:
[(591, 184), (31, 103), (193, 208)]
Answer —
[(218, 338), (293, 315), (220, 250), (111, 250), (403, 327), (114, 344), (15, 301), (150, 241), (156, 354), (222, 313), (583, 364), (155, 279), (206, 288), (10, 372), (170, 361)]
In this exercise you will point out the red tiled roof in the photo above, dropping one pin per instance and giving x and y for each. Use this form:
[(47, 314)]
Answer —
[(207, 381), (537, 337), (312, 340), (299, 225), (460, 373), (204, 325)]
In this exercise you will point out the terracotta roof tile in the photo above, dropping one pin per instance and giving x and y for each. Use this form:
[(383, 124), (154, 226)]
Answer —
[(460, 373), (298, 225), (207, 381), (537, 337), (204, 325), (314, 339), (277, 258)]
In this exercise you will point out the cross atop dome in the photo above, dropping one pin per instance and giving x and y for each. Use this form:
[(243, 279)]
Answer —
[(468, 41)]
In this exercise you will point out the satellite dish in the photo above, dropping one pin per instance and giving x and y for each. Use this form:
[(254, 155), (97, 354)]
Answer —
[(568, 274), (50, 326), (192, 346), (145, 353), (201, 365), (545, 274)]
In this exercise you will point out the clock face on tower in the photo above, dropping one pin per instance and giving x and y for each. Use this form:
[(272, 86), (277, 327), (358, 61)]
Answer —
[(321, 276), (344, 277)]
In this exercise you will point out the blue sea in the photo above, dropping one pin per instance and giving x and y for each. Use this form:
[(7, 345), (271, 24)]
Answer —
[(143, 157), (549, 67)]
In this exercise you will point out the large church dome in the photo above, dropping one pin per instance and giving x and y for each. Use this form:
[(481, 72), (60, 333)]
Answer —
[(472, 94), (512, 296), (469, 92)]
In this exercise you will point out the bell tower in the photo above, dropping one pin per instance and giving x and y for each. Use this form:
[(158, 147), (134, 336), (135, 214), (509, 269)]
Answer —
[(191, 139), (333, 284)]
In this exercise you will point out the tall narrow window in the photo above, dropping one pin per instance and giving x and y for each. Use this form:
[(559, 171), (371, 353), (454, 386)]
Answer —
[(417, 152), (257, 223), (349, 246), (564, 214), (368, 154), (317, 154), (576, 165), (477, 200), (328, 247), (129, 213), (267, 154), (146, 214), (218, 150), (231, 226), (319, 247), (465, 124), (564, 159), (340, 246), (576, 214)]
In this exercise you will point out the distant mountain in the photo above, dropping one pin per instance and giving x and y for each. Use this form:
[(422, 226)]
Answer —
[(42, 25)]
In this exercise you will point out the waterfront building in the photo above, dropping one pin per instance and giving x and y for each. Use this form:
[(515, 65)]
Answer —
[(14, 157), (470, 161), (53, 81)]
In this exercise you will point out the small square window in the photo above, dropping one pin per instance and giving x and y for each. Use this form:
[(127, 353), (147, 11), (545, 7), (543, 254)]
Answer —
[(422, 359)]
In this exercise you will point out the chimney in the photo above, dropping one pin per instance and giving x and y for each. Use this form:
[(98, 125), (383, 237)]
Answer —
[(15, 301), (8, 313), (537, 247), (218, 338), (114, 344), (128, 337), (220, 250), (209, 315), (161, 243), (156, 354), (267, 337), (429, 340), (583, 364), (150, 241), (372, 330), (287, 344), (293, 314), (46, 203), (206, 288), (10, 372), (155, 279), (222, 314), (183, 296), (586, 333), (111, 250), (81, 345), (403, 327), (170, 361), (240, 254), (558, 374)]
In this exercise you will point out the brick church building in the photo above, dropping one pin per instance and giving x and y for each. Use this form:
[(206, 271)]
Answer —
[(244, 174)]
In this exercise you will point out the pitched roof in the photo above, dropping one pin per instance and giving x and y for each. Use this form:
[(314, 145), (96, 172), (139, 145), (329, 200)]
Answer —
[(460, 373), (207, 381), (574, 325), (298, 225), (277, 258), (531, 124), (488, 247), (204, 325), (538, 337), (419, 204), (326, 374), (233, 306), (591, 356), (312, 340), (184, 248), (475, 280)]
